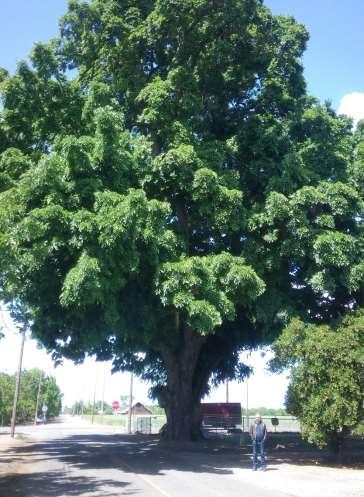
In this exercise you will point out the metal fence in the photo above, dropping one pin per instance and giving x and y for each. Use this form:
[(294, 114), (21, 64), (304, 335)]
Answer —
[(218, 426), (224, 429), (147, 425), (285, 423)]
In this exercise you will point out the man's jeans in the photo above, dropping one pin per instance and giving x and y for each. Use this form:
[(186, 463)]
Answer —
[(258, 449)]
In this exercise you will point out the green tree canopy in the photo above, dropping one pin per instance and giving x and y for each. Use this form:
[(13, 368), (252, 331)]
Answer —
[(170, 194)]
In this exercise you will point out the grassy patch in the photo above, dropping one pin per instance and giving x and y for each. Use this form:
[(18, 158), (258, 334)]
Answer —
[(21, 436), (108, 419)]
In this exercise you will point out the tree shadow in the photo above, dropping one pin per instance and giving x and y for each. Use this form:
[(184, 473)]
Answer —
[(129, 454), (144, 455), (55, 483), (290, 448)]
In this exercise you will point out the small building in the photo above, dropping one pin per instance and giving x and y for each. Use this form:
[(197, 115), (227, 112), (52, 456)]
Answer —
[(138, 409)]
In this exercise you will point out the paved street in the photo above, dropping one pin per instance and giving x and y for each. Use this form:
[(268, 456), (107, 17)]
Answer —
[(76, 459)]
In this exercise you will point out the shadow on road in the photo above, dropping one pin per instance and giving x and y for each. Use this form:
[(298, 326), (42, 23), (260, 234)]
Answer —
[(56, 484), (110, 458), (94, 451)]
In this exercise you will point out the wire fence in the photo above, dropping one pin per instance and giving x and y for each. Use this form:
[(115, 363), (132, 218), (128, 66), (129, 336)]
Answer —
[(215, 425), (285, 423), (212, 426), (223, 428), (148, 425)]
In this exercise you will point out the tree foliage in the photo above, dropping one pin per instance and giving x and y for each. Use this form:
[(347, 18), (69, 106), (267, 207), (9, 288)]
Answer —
[(326, 390), (180, 197), (265, 411), (88, 408), (50, 396)]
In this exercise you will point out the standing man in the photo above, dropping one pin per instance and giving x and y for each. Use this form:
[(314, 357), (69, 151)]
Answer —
[(258, 434)]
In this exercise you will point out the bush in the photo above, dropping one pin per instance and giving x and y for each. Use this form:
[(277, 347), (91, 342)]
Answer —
[(326, 391)]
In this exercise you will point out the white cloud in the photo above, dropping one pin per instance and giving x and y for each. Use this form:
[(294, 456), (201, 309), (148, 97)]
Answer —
[(352, 105)]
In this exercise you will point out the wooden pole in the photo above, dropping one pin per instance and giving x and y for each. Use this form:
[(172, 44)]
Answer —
[(38, 398), (247, 403), (103, 392), (130, 412), (227, 391), (17, 384), (93, 405)]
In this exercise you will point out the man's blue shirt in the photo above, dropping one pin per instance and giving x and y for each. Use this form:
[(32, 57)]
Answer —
[(259, 432)]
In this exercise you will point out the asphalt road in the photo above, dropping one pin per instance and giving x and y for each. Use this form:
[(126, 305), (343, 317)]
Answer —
[(75, 459)]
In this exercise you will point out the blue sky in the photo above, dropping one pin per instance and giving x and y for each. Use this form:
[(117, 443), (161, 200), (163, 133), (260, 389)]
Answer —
[(334, 62)]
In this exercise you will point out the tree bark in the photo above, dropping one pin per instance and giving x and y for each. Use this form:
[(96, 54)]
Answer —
[(336, 444), (181, 396), (183, 417)]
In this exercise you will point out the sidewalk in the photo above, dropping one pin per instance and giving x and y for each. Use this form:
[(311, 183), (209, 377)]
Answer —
[(304, 481)]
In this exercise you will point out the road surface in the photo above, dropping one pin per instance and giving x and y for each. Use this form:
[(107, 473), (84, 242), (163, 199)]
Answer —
[(76, 459)]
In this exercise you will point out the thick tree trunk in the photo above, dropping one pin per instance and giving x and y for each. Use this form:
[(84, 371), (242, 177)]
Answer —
[(181, 397), (336, 444), (183, 416)]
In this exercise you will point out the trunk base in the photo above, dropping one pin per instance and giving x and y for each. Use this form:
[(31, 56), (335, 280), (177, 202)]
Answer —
[(185, 433), (336, 445)]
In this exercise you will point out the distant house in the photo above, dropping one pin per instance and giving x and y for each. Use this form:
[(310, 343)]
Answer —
[(138, 409)]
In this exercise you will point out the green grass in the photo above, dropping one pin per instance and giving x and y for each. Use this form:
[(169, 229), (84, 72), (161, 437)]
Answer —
[(21, 436), (108, 419), (122, 421)]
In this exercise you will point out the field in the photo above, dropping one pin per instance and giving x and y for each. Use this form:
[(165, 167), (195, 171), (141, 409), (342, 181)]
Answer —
[(107, 419), (145, 424)]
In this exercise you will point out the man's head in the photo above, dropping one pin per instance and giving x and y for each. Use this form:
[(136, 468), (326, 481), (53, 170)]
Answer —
[(258, 418)]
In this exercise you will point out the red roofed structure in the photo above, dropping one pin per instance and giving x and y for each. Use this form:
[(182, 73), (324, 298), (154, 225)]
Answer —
[(222, 414)]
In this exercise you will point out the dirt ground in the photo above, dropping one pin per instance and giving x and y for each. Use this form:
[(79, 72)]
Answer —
[(10, 465)]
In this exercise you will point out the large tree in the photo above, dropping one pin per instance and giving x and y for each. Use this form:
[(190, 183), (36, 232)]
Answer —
[(171, 195)]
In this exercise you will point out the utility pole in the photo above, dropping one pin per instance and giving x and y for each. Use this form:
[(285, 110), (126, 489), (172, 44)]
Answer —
[(38, 398), (93, 405), (247, 394), (103, 392), (247, 403), (130, 402), (227, 391), (17, 383)]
